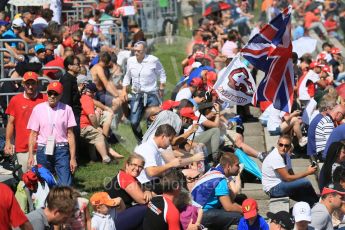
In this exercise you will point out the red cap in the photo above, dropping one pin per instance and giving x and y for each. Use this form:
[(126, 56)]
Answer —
[(316, 11), (213, 52), (30, 180), (333, 189), (169, 104), (197, 82), (315, 64), (249, 208), (335, 50), (188, 112), (211, 78), (55, 86), (30, 76), (321, 56), (327, 69)]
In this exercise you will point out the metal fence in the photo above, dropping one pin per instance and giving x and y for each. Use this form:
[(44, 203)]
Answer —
[(6, 96)]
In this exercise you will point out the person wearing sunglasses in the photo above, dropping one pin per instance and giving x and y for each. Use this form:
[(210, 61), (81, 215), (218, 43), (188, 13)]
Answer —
[(51, 124), (278, 178)]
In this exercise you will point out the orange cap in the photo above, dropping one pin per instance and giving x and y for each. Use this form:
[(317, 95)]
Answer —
[(55, 86), (249, 208), (99, 198), (30, 76)]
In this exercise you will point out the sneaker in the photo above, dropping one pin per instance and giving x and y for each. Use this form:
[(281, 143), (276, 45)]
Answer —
[(106, 160), (303, 141)]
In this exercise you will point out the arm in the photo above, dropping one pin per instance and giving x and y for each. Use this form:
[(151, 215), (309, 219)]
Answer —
[(286, 176), (9, 135), (228, 205), (26, 226), (87, 218), (32, 143), (71, 143), (93, 120), (158, 170), (102, 106), (135, 191)]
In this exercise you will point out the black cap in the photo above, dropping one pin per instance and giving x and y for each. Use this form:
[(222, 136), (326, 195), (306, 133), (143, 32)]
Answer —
[(282, 218), (91, 86)]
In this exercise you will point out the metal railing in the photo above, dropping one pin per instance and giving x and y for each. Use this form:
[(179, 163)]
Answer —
[(59, 69), (7, 95), (78, 13), (26, 46), (2, 61)]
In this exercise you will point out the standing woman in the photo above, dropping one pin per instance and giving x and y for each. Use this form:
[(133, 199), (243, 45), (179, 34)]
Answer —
[(187, 10), (51, 124), (335, 157), (126, 186)]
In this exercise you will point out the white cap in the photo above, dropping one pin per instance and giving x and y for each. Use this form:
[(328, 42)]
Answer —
[(18, 22), (196, 65), (301, 211)]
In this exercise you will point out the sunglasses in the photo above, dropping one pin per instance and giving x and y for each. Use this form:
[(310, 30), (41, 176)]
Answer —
[(51, 93), (284, 145)]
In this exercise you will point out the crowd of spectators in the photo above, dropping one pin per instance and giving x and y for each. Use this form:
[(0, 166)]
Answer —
[(185, 172)]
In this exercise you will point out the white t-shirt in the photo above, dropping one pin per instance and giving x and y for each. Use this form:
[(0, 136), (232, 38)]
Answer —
[(104, 222), (270, 177), (275, 117), (184, 93), (150, 152), (303, 89)]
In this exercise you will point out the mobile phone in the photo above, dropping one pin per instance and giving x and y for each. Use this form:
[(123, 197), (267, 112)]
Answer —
[(313, 164)]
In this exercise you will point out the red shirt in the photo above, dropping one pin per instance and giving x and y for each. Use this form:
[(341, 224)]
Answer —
[(21, 108), (10, 213), (58, 61), (88, 108), (309, 18), (330, 25)]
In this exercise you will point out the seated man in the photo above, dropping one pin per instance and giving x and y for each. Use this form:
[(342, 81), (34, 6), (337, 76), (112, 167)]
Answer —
[(213, 194), (280, 122), (158, 159), (278, 178), (90, 124)]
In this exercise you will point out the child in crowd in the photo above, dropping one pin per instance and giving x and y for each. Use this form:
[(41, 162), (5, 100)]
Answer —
[(81, 219), (188, 212), (251, 220), (105, 211)]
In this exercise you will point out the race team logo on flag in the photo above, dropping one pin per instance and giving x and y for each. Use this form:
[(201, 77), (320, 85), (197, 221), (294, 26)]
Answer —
[(270, 51), (236, 85)]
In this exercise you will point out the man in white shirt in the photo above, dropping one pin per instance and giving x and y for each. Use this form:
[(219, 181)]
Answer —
[(142, 73), (155, 165), (187, 93), (278, 178)]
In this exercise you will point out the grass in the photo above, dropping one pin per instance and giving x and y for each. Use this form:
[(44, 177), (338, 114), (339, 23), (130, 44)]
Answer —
[(92, 176)]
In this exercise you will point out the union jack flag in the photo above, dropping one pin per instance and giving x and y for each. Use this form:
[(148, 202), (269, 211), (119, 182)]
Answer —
[(270, 51)]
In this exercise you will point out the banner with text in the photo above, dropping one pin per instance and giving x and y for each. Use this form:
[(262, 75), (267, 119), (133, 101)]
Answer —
[(236, 85)]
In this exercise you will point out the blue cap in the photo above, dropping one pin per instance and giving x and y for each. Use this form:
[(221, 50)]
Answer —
[(3, 23), (39, 47)]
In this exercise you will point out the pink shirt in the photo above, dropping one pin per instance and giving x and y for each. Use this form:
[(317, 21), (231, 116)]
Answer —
[(49, 121), (229, 48)]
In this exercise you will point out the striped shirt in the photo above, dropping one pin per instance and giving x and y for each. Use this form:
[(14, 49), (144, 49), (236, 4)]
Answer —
[(322, 132)]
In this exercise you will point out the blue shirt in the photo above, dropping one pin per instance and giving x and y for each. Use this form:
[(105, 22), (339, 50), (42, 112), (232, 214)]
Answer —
[(197, 72), (221, 190), (259, 224), (9, 34), (311, 145), (337, 134)]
